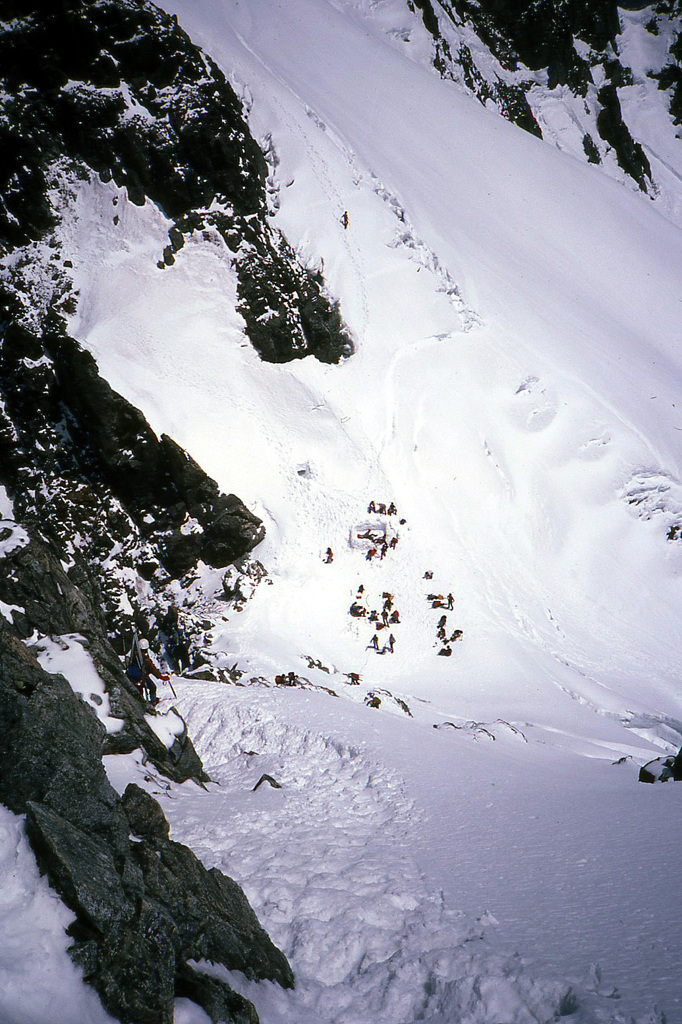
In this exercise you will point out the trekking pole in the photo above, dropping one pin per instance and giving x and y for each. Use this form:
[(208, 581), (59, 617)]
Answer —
[(172, 688)]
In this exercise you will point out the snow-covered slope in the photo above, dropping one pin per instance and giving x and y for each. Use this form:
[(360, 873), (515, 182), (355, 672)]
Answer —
[(515, 391), (515, 388)]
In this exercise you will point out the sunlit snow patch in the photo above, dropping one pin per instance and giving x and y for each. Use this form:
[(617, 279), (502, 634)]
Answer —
[(166, 727), (12, 536), (68, 656)]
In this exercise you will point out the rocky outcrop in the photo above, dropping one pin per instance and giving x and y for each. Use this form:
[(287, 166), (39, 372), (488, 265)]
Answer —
[(670, 78), (116, 87), (87, 473), (144, 905), (509, 98), (565, 42), (155, 480)]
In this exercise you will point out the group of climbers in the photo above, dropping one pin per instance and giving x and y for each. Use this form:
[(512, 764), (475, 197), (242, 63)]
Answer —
[(381, 508), (443, 641), (287, 679), (379, 544), (388, 646), (384, 619), (382, 549)]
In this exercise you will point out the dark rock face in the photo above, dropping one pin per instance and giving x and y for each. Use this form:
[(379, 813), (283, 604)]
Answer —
[(143, 906), (147, 475), (613, 130), (117, 87), (213, 916), (541, 32), (670, 77), (510, 99), (51, 744), (32, 578), (145, 817), (219, 1002)]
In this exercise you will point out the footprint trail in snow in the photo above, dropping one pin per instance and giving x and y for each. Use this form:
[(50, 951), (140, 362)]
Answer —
[(326, 862)]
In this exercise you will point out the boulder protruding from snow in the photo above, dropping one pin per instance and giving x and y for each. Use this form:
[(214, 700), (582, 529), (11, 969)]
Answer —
[(144, 905)]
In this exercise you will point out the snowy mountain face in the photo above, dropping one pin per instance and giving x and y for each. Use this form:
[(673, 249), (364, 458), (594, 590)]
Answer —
[(579, 75), (405, 276)]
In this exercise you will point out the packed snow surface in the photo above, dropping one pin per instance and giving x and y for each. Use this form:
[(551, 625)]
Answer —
[(515, 391)]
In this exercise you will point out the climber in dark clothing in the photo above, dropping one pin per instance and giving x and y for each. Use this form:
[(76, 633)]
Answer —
[(451, 602), (330, 556), (149, 669), (176, 645)]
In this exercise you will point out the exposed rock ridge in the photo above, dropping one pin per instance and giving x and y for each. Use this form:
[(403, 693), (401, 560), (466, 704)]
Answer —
[(144, 906), (117, 87)]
